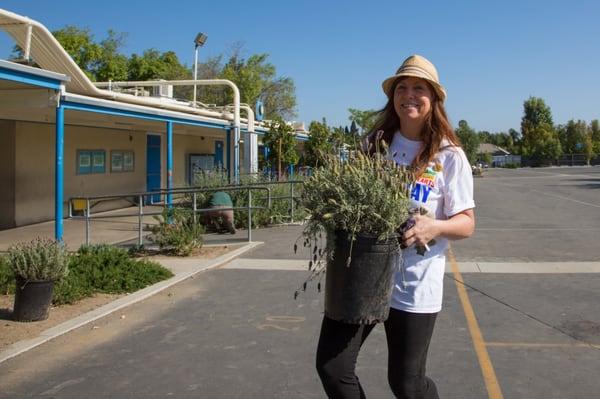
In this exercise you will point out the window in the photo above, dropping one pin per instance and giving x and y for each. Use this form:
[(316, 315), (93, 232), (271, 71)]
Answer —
[(121, 161), (90, 161)]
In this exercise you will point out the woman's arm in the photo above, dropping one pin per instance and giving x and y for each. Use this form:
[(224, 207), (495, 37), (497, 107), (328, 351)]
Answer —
[(426, 229)]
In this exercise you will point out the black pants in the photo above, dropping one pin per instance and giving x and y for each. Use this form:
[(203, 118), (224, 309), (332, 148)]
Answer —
[(408, 336)]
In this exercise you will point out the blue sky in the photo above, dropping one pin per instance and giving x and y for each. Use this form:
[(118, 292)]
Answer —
[(490, 55)]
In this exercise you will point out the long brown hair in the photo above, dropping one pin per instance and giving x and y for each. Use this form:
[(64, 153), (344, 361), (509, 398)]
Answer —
[(435, 129)]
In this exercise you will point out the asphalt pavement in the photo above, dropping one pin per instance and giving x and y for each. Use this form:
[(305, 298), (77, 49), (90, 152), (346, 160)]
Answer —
[(237, 332)]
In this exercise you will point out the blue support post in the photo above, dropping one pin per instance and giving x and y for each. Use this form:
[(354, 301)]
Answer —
[(291, 171), (266, 154), (59, 173), (228, 150), (169, 163)]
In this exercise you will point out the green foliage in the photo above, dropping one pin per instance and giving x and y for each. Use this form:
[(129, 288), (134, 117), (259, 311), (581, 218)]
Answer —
[(280, 210), (536, 125), (361, 196), (7, 277), (543, 144), (510, 165), (318, 144), (92, 269), (39, 260), (176, 232), (469, 140), (486, 158), (257, 80), (281, 140), (595, 135), (100, 61), (106, 269), (255, 76), (572, 136), (363, 118), (367, 195)]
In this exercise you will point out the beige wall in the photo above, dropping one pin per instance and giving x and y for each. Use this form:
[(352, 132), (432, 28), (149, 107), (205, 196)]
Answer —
[(34, 161), (183, 146), (7, 174)]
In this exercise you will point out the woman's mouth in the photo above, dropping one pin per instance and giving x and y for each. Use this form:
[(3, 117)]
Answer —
[(410, 105)]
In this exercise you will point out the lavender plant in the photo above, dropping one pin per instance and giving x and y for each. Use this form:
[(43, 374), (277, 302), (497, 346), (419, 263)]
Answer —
[(39, 260), (364, 195)]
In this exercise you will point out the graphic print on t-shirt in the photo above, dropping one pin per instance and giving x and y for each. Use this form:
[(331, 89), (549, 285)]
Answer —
[(425, 183)]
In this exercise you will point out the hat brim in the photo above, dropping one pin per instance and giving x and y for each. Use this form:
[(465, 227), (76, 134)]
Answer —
[(388, 84)]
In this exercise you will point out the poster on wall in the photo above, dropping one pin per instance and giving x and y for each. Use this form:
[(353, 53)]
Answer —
[(128, 161), (116, 163), (84, 164), (98, 162)]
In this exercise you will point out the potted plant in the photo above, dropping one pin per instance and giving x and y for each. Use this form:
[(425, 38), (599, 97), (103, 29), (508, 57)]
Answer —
[(37, 265), (357, 206)]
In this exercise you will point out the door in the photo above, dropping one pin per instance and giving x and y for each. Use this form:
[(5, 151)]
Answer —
[(153, 166)]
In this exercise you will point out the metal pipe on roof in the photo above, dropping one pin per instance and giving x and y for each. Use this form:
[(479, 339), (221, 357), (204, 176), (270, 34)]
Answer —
[(28, 42)]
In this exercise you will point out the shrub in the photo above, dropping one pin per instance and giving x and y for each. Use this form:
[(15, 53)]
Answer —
[(280, 206), (106, 269), (176, 232), (7, 277), (39, 260)]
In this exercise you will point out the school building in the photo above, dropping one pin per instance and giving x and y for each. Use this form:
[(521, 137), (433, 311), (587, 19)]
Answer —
[(63, 136)]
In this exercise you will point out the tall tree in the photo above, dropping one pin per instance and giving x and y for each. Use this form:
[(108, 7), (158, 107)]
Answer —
[(544, 143), (516, 139), (595, 135), (575, 134), (588, 147), (469, 140), (319, 143), (281, 140), (363, 119), (256, 79), (536, 125)]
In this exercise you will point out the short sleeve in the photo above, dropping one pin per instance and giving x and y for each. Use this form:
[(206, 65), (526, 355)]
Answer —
[(458, 182)]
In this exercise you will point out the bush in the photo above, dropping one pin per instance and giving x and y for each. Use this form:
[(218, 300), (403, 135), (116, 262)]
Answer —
[(510, 166), (280, 206), (106, 269), (7, 277), (39, 260), (176, 232)]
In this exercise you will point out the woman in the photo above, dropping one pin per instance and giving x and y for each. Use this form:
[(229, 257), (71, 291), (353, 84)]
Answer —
[(415, 127)]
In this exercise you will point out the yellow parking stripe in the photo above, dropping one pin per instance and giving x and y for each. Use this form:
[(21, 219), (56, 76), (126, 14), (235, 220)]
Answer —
[(487, 369), (539, 345)]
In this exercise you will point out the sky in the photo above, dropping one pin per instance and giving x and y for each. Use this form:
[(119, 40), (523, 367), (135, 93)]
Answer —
[(491, 55)]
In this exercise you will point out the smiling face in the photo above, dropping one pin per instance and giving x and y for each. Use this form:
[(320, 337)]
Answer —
[(412, 101)]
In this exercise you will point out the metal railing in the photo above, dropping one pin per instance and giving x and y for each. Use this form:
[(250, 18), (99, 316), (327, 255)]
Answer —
[(291, 197), (140, 197)]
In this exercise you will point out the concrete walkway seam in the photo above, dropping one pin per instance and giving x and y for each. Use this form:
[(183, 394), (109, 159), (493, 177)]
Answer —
[(22, 346)]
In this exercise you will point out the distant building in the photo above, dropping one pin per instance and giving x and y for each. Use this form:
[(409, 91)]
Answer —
[(500, 157)]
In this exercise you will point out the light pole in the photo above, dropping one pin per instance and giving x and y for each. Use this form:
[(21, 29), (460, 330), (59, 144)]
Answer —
[(198, 42)]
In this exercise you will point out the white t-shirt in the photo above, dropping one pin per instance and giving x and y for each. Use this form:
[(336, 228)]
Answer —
[(445, 189)]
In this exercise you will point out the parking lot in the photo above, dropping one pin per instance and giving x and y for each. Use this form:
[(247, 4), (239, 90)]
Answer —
[(520, 318)]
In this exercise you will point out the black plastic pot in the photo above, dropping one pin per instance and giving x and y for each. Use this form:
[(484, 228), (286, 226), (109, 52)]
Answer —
[(32, 300), (361, 292)]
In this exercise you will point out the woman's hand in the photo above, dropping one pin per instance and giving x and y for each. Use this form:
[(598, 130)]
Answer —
[(424, 230)]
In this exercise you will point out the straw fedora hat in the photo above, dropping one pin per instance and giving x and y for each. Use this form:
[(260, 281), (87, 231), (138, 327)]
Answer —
[(419, 67)]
